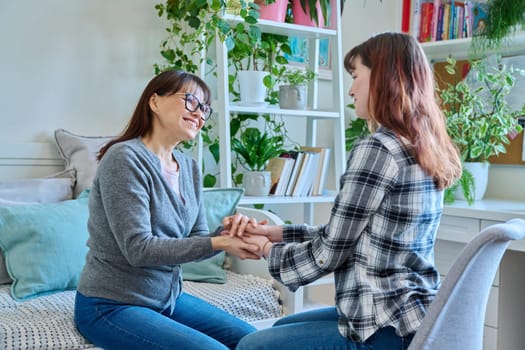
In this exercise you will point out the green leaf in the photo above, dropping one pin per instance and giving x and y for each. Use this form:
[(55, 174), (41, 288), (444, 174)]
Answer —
[(209, 180)]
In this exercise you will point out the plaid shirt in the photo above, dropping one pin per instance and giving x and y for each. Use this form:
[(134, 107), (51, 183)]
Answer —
[(378, 242)]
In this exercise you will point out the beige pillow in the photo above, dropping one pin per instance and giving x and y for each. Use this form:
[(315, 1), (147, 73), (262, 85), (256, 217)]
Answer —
[(55, 188), (79, 153)]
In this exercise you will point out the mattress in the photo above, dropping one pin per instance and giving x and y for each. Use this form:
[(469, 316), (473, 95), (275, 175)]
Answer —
[(46, 322)]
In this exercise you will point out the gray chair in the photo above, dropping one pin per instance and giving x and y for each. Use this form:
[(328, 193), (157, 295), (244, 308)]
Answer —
[(456, 317)]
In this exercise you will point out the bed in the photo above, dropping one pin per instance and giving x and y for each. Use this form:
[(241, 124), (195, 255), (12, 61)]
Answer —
[(42, 190)]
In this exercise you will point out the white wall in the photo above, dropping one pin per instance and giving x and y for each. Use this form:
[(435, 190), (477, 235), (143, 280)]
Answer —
[(77, 65)]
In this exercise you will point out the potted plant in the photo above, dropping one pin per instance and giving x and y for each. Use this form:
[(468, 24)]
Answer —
[(293, 94), (311, 12), (479, 121), (252, 58), (503, 17), (254, 149), (272, 10)]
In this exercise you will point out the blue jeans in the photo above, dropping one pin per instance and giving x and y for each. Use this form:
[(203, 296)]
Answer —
[(317, 329), (194, 324)]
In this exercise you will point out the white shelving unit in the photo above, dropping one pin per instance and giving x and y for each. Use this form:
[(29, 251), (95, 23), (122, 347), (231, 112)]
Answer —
[(460, 48), (334, 114)]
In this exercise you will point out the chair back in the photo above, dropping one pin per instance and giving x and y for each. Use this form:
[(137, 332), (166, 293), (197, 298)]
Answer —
[(455, 319)]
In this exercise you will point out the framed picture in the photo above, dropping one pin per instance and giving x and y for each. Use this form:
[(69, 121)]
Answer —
[(300, 55)]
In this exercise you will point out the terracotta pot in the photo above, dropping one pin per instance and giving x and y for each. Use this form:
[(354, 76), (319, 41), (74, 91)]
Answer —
[(273, 12)]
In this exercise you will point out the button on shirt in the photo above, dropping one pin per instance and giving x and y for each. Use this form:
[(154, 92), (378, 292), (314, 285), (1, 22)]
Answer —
[(378, 242)]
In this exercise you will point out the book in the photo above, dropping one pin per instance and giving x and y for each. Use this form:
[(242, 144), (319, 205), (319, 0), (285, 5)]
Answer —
[(439, 29), (435, 13), (299, 157), (425, 26), (320, 169), (479, 18), (405, 16), (446, 21), (277, 167), (305, 175), (468, 19), (416, 18)]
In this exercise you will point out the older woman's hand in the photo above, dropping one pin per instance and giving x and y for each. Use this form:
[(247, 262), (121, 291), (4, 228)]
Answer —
[(237, 224)]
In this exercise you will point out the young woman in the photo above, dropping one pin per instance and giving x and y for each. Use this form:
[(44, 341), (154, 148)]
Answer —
[(146, 218), (380, 236)]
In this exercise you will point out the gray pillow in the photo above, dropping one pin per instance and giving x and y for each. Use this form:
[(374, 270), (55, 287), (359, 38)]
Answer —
[(55, 188), (79, 153)]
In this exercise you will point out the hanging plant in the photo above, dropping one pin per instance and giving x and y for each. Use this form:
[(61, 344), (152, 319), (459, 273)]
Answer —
[(504, 18)]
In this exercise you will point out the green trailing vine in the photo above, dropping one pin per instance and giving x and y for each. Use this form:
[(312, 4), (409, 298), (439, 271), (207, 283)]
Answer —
[(503, 19)]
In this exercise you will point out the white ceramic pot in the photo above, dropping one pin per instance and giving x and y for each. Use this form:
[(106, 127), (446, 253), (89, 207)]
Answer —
[(480, 173), (251, 86), (257, 183), (293, 96)]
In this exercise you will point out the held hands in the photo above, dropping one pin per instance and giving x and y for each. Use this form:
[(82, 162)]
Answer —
[(254, 234), (238, 223)]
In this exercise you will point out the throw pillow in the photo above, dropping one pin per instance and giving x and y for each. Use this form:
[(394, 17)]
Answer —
[(54, 188), (219, 202), (79, 153), (44, 246)]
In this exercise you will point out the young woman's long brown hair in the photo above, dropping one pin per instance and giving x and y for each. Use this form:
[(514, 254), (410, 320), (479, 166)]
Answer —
[(164, 84), (402, 98)]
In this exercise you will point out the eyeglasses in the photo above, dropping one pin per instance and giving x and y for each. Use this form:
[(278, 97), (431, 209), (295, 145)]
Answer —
[(192, 103)]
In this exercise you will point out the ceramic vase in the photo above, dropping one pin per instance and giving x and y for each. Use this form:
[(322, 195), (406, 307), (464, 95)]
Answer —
[(257, 183), (480, 173), (293, 96), (251, 87)]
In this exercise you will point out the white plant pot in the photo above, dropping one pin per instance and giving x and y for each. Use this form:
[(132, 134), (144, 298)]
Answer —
[(251, 87), (257, 183), (480, 173)]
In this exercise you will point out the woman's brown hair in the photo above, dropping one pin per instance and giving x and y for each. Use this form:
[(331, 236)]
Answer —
[(402, 98), (165, 84)]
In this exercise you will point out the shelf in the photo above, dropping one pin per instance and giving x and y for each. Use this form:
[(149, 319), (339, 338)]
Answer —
[(285, 199), (288, 112), (460, 48), (288, 29)]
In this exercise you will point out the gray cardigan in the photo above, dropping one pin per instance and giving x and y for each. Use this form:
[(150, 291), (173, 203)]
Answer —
[(140, 230)]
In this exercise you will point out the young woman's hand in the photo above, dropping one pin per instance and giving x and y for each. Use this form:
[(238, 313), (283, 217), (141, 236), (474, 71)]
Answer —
[(262, 242), (274, 233)]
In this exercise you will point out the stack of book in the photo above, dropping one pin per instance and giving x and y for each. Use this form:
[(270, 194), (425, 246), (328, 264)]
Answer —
[(299, 173), (435, 20)]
